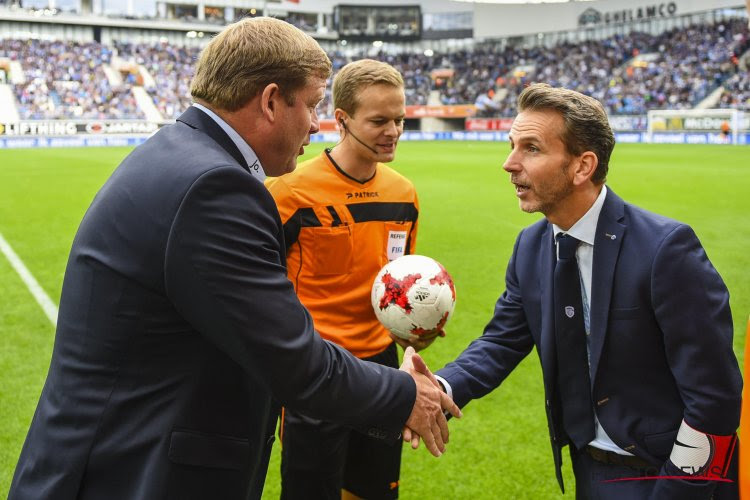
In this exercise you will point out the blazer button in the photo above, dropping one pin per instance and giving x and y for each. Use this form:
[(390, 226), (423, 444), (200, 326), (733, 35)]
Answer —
[(602, 402), (547, 403)]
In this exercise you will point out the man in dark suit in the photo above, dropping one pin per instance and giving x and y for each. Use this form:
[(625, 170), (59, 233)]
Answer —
[(636, 349), (179, 333)]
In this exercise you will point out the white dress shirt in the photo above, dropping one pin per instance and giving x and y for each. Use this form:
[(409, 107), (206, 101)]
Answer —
[(253, 163), (585, 231)]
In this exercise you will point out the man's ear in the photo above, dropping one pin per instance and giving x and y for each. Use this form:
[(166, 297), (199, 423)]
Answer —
[(340, 116), (269, 101), (585, 167)]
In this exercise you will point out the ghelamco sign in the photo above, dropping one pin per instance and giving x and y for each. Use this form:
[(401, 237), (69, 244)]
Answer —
[(592, 16)]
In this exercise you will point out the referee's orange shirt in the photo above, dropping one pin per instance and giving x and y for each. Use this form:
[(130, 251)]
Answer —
[(339, 232)]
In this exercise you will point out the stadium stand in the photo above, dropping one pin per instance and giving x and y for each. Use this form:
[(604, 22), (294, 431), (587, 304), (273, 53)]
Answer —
[(736, 89), (736, 92), (630, 73), (67, 80), (170, 68)]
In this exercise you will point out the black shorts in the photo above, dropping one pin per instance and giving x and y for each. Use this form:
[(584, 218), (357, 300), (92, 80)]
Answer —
[(319, 458)]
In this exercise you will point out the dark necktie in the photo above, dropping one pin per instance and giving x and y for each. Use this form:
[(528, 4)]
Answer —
[(570, 336)]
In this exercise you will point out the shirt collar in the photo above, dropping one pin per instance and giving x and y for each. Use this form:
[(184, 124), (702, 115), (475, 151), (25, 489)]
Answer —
[(253, 163), (585, 228)]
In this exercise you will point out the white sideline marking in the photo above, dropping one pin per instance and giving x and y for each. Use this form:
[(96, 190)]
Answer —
[(49, 308)]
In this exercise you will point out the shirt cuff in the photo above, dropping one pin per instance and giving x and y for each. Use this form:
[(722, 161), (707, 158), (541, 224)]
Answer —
[(446, 386)]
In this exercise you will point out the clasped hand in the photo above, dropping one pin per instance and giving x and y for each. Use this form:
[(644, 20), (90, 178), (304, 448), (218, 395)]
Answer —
[(427, 420)]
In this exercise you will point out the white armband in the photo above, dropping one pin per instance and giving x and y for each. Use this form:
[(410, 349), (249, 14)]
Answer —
[(699, 454)]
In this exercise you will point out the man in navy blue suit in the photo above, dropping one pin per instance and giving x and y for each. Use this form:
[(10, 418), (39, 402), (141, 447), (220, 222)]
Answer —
[(179, 334), (644, 382)]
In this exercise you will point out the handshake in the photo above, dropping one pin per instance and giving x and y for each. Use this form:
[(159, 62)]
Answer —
[(428, 417)]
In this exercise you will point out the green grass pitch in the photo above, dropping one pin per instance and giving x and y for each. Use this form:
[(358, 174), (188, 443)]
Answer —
[(469, 220)]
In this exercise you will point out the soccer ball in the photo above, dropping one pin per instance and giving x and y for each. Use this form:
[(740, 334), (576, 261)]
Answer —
[(413, 296)]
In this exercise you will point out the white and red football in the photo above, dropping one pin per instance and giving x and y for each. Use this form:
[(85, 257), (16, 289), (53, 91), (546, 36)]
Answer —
[(413, 296)]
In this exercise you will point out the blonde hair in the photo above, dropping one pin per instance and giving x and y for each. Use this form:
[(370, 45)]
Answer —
[(252, 53), (360, 74), (586, 127)]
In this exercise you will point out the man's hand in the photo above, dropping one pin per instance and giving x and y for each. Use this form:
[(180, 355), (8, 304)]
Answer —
[(427, 419), (420, 343)]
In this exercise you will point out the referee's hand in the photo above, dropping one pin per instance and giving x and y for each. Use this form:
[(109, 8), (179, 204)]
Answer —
[(419, 343)]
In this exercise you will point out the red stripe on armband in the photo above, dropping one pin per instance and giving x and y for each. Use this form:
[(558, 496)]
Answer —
[(700, 454)]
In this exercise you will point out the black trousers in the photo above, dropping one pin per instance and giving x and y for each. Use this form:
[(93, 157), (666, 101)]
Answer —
[(319, 458), (599, 481)]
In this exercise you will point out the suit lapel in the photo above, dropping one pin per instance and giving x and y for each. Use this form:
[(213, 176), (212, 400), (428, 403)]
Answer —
[(197, 119), (548, 351), (607, 242), (547, 259)]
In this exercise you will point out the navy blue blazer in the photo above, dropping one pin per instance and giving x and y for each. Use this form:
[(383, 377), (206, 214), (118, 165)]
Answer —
[(661, 333), (179, 335)]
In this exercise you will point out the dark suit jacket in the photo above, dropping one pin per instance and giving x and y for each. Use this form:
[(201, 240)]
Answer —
[(661, 333), (179, 335)]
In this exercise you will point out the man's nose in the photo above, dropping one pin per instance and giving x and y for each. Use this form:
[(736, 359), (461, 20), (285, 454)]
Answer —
[(511, 163), (315, 122)]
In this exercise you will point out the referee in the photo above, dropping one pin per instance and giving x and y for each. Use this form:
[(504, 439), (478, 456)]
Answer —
[(345, 215)]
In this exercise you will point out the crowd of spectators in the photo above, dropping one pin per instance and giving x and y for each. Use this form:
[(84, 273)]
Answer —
[(688, 64), (629, 74), (170, 66), (736, 92), (66, 80)]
